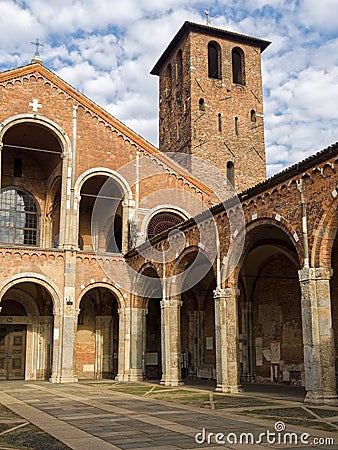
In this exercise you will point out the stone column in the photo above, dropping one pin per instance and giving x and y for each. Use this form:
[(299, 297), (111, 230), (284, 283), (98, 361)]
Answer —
[(171, 341), (138, 324), (124, 345), (131, 344), (67, 323), (318, 340), (226, 330)]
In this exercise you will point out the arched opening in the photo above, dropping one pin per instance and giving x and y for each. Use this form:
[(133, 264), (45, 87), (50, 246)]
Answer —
[(219, 122), (97, 335), (253, 116), (236, 127), (214, 60), (270, 320), (238, 71), (198, 358), (161, 222), (26, 325), (201, 104), (231, 173), (31, 162), (153, 350), (100, 216)]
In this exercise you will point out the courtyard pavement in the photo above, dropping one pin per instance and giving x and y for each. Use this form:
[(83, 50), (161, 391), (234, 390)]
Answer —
[(91, 416)]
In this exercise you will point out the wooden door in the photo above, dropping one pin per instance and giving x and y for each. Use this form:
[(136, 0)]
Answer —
[(12, 352)]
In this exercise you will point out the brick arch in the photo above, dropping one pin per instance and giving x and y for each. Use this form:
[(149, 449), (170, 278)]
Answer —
[(177, 276), (120, 180), (251, 227), (58, 131), (324, 236), (49, 285), (140, 298), (114, 290)]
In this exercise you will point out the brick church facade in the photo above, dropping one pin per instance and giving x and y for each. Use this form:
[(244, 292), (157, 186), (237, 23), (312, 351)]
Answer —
[(92, 282)]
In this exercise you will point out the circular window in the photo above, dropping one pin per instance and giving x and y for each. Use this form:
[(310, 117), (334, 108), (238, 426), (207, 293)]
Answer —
[(162, 222)]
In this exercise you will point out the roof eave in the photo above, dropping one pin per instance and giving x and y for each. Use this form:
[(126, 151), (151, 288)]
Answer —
[(191, 26)]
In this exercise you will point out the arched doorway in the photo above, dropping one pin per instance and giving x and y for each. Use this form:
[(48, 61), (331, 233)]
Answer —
[(97, 334), (198, 357), (270, 318), (26, 325), (152, 297)]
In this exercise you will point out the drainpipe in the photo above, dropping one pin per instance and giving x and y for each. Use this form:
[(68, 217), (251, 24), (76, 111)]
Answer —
[(301, 189)]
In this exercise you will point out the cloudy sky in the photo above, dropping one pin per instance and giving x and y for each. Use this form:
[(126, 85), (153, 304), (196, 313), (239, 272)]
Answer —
[(106, 49)]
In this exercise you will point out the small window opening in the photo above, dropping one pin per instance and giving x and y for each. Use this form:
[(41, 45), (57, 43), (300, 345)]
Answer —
[(253, 116), (236, 126), (230, 173), (201, 104), (219, 122), (17, 168)]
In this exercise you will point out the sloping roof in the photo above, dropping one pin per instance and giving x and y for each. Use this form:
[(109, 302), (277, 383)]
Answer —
[(38, 68), (286, 174), (211, 31)]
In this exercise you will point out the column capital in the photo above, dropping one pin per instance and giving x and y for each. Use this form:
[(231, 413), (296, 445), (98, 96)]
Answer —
[(226, 292), (128, 203), (171, 302), (314, 273)]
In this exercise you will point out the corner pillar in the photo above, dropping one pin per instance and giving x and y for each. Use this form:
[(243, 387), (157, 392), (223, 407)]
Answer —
[(226, 330), (318, 340)]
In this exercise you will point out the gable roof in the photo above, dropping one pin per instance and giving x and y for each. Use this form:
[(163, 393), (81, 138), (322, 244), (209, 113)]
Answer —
[(38, 68), (187, 27)]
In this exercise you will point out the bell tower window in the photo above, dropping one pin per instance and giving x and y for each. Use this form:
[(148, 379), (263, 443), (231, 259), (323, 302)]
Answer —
[(214, 60), (238, 75)]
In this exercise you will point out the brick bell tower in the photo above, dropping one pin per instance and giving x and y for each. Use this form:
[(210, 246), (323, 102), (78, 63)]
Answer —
[(211, 102)]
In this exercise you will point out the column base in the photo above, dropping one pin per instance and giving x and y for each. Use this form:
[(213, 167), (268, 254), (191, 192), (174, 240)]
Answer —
[(321, 398), (60, 379), (125, 377), (225, 389), (172, 382)]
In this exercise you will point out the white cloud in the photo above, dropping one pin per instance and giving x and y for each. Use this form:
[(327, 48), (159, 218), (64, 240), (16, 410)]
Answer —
[(322, 14), (106, 50)]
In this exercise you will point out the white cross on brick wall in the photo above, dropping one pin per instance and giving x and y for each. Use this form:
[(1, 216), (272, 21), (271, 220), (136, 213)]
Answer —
[(35, 105)]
